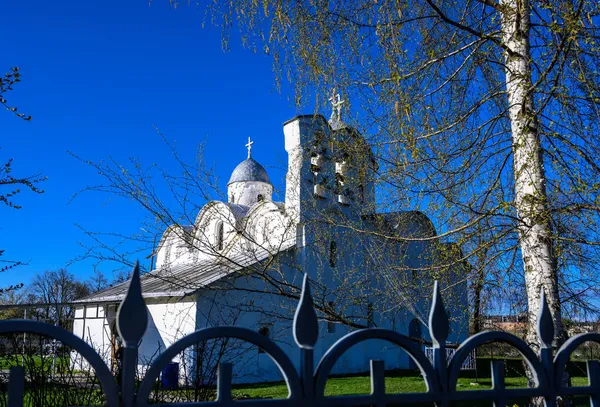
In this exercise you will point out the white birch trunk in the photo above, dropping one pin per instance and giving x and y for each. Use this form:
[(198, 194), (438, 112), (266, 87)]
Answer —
[(530, 182)]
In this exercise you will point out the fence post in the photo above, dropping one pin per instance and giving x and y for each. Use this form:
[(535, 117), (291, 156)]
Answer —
[(132, 320), (438, 329), (306, 333), (16, 388)]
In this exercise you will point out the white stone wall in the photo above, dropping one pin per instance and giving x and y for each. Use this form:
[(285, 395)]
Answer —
[(249, 192), (94, 323), (263, 226), (176, 247)]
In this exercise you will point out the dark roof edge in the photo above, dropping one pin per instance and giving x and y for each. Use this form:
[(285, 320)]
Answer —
[(306, 116)]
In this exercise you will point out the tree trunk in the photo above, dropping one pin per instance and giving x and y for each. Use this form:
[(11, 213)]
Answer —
[(530, 182)]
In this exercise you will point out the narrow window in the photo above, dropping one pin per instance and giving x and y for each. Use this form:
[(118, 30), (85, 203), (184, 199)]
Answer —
[(332, 253), (219, 236), (339, 184), (370, 319), (331, 324), (260, 198), (266, 332)]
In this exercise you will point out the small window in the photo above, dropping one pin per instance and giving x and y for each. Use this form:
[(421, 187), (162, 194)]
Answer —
[(332, 253), (260, 198), (266, 332), (331, 324), (219, 236), (370, 319)]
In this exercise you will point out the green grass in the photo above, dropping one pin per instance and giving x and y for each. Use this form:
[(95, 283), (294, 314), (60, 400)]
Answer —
[(362, 385), (34, 360), (54, 395)]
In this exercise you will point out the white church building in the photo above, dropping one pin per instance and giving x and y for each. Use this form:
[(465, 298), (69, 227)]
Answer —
[(242, 263)]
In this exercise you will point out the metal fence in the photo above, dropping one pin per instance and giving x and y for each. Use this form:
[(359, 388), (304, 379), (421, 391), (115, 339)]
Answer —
[(470, 362), (307, 386)]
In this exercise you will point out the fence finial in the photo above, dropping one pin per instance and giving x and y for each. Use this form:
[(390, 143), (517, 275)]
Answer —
[(306, 327), (438, 318), (132, 317), (545, 324)]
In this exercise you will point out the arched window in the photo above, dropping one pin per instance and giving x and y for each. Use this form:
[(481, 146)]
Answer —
[(260, 198), (219, 236), (332, 253)]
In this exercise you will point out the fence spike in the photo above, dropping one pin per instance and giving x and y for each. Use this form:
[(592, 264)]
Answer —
[(438, 318), (132, 317), (306, 327), (545, 324)]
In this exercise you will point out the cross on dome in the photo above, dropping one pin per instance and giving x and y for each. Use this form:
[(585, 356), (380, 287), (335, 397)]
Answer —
[(249, 147), (336, 104)]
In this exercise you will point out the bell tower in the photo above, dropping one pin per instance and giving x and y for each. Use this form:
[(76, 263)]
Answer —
[(330, 167)]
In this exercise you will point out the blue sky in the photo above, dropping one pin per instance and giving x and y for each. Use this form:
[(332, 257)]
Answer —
[(96, 77)]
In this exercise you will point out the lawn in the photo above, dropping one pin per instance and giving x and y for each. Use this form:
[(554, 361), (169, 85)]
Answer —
[(354, 385), (362, 385), (33, 360)]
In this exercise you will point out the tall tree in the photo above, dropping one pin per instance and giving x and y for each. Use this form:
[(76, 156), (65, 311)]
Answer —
[(57, 289), (453, 93)]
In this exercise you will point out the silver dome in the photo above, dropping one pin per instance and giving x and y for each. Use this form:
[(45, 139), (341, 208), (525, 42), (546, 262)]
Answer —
[(249, 170)]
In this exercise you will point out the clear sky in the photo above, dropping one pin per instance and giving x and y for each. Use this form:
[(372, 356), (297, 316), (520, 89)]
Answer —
[(97, 76)]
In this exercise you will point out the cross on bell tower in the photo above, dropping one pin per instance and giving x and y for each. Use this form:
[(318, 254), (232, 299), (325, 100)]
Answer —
[(249, 147)]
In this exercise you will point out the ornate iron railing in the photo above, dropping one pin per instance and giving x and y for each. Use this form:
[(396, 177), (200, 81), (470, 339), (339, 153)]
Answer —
[(307, 386)]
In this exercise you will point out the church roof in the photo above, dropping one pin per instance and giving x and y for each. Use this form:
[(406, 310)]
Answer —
[(185, 279), (249, 170)]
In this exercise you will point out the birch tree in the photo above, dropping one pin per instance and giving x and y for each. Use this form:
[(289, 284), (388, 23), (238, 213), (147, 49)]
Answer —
[(485, 112)]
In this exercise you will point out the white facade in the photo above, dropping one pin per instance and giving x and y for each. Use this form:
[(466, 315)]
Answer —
[(241, 261)]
